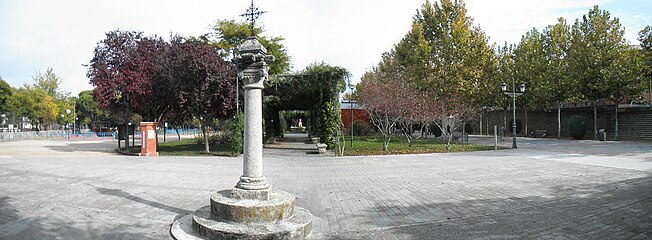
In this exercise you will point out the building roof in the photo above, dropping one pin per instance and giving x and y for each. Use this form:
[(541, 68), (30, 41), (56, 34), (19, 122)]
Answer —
[(346, 104)]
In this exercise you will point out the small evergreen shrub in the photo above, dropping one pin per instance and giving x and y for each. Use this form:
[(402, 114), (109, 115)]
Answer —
[(435, 130), (361, 128), (519, 126), (577, 126), (235, 128), (469, 127)]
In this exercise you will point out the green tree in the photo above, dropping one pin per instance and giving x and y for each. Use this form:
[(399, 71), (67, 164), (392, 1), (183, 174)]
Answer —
[(529, 66), (6, 92), (50, 83), (88, 110), (29, 102), (228, 34), (596, 57), (556, 86), (461, 63), (645, 37)]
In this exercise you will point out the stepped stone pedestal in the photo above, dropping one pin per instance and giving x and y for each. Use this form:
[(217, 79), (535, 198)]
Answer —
[(251, 210), (232, 218)]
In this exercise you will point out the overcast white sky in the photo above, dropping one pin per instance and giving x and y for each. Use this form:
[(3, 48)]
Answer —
[(37, 34)]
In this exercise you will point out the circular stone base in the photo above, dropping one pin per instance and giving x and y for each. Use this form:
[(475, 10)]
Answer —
[(279, 207), (200, 225)]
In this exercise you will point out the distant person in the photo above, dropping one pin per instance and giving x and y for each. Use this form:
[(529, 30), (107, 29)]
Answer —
[(300, 123)]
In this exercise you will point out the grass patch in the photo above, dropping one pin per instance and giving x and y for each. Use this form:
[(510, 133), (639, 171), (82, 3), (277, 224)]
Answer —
[(189, 147), (373, 145)]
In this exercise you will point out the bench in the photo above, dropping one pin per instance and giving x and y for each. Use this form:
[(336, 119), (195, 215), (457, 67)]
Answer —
[(539, 133)]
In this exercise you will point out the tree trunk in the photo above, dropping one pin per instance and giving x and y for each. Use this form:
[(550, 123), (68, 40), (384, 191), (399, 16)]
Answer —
[(385, 142), (526, 130), (176, 129), (595, 120), (616, 117), (559, 120), (206, 145), (463, 131), (481, 123), (505, 119)]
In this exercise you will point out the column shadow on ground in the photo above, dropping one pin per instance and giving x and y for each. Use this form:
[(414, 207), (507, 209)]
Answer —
[(15, 226), (120, 193)]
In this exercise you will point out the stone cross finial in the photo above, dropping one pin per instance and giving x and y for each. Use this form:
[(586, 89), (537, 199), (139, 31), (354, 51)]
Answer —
[(252, 14)]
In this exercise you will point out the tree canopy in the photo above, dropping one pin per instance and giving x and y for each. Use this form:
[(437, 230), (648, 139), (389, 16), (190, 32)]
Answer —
[(6, 91), (445, 58), (228, 34), (180, 80)]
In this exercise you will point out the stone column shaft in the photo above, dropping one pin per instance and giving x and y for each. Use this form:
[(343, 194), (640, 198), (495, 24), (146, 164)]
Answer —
[(253, 134)]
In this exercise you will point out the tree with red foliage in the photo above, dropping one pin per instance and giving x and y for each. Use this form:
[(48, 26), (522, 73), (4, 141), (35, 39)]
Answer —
[(127, 71), (390, 100), (203, 82), (177, 81)]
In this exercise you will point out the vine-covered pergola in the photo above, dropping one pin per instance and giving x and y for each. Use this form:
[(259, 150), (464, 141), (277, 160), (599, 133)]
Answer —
[(315, 90)]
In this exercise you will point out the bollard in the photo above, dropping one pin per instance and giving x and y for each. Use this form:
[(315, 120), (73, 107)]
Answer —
[(495, 138)]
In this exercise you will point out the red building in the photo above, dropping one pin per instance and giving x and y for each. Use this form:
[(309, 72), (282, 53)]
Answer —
[(359, 114)]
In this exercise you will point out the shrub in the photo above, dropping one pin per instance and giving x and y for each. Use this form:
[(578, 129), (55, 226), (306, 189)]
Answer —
[(577, 126), (435, 130), (235, 128), (361, 128), (469, 127), (213, 138), (519, 126)]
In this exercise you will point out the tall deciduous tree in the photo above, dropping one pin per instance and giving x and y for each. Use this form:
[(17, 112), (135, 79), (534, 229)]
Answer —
[(50, 83), (645, 37), (555, 85), (88, 110), (378, 98), (529, 66), (228, 34), (597, 46), (128, 73), (29, 102), (203, 80), (461, 62), (6, 91)]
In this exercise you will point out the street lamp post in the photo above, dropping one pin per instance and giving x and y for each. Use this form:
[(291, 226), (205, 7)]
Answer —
[(63, 133), (351, 112), (67, 121), (616, 98), (514, 95)]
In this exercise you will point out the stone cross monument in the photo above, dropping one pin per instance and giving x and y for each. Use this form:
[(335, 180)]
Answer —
[(250, 210), (252, 69)]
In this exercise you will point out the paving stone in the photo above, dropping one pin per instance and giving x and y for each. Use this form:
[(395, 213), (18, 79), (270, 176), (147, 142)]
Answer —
[(545, 189)]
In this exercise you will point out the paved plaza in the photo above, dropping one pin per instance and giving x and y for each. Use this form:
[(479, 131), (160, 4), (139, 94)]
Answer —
[(545, 189)]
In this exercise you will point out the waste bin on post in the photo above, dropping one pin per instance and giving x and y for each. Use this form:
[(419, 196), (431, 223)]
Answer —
[(148, 136), (602, 134)]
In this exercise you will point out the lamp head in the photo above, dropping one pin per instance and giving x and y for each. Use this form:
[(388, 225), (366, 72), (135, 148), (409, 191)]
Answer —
[(503, 87), (522, 88)]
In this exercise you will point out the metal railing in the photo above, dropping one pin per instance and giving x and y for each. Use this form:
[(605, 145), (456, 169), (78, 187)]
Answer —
[(54, 135)]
